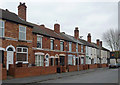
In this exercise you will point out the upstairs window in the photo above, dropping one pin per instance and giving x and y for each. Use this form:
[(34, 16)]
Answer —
[(62, 46), (76, 47), (2, 27), (82, 48), (22, 32), (52, 44), (39, 41), (86, 50), (70, 46)]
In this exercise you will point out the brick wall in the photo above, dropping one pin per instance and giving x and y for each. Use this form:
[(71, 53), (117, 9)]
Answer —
[(33, 71), (92, 66), (4, 73), (104, 65), (12, 31), (75, 68)]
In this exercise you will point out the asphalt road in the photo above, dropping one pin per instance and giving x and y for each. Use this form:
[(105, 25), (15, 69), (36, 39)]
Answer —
[(98, 76)]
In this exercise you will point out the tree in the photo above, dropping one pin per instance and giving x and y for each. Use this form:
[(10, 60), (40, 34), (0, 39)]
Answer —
[(112, 39)]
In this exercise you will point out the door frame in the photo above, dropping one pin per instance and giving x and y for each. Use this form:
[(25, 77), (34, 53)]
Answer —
[(7, 50)]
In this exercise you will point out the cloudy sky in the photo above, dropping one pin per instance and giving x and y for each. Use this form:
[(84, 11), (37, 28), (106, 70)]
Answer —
[(91, 16)]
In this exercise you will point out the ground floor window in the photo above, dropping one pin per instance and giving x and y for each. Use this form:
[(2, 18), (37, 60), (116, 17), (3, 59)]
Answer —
[(22, 53), (56, 61), (52, 61), (47, 60), (74, 61), (69, 60), (77, 61), (82, 60), (62, 60), (39, 60)]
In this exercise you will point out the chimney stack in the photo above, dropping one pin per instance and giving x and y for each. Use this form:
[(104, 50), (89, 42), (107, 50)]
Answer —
[(89, 38), (76, 33), (57, 28), (101, 43), (98, 42), (22, 11)]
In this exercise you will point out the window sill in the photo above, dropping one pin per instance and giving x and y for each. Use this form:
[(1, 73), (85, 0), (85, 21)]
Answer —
[(22, 40), (2, 38), (24, 62)]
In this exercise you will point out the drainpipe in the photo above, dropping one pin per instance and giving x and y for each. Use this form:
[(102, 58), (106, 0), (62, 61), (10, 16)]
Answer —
[(77, 56)]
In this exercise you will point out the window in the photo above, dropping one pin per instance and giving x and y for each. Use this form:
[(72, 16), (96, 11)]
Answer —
[(86, 50), (77, 61), (22, 32), (56, 61), (82, 48), (76, 47), (39, 41), (62, 46), (70, 46), (39, 60), (47, 60), (52, 61), (69, 60), (82, 60), (22, 54), (52, 44), (2, 27)]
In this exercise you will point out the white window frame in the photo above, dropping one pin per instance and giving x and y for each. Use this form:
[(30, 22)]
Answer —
[(70, 58), (70, 46), (39, 41), (22, 52), (39, 60), (3, 28), (52, 45), (82, 48), (61, 46), (76, 47), (22, 32), (47, 60)]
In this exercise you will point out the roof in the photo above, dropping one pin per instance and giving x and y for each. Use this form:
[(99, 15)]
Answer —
[(70, 38), (46, 31), (7, 15), (105, 49)]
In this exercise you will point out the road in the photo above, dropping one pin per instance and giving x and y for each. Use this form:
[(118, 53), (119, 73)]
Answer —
[(98, 76)]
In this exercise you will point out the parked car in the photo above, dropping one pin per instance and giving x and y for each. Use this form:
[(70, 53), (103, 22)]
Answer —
[(113, 65)]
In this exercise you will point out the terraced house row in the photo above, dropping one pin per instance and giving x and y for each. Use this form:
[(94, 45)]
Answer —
[(28, 49)]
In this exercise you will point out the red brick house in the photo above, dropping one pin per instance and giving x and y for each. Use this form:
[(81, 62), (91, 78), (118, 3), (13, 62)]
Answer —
[(28, 49)]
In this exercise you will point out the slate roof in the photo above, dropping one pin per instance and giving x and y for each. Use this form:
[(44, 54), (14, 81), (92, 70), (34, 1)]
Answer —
[(70, 38), (46, 31), (7, 15)]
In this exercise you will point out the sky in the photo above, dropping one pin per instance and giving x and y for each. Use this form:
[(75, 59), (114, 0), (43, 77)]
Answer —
[(90, 16)]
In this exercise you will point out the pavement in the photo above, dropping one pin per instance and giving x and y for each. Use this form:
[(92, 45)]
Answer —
[(69, 77)]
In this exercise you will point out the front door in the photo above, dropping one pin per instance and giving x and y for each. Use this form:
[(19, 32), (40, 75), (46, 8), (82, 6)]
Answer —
[(9, 58)]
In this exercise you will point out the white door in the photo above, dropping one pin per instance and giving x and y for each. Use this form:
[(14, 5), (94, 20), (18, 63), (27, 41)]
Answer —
[(9, 58)]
